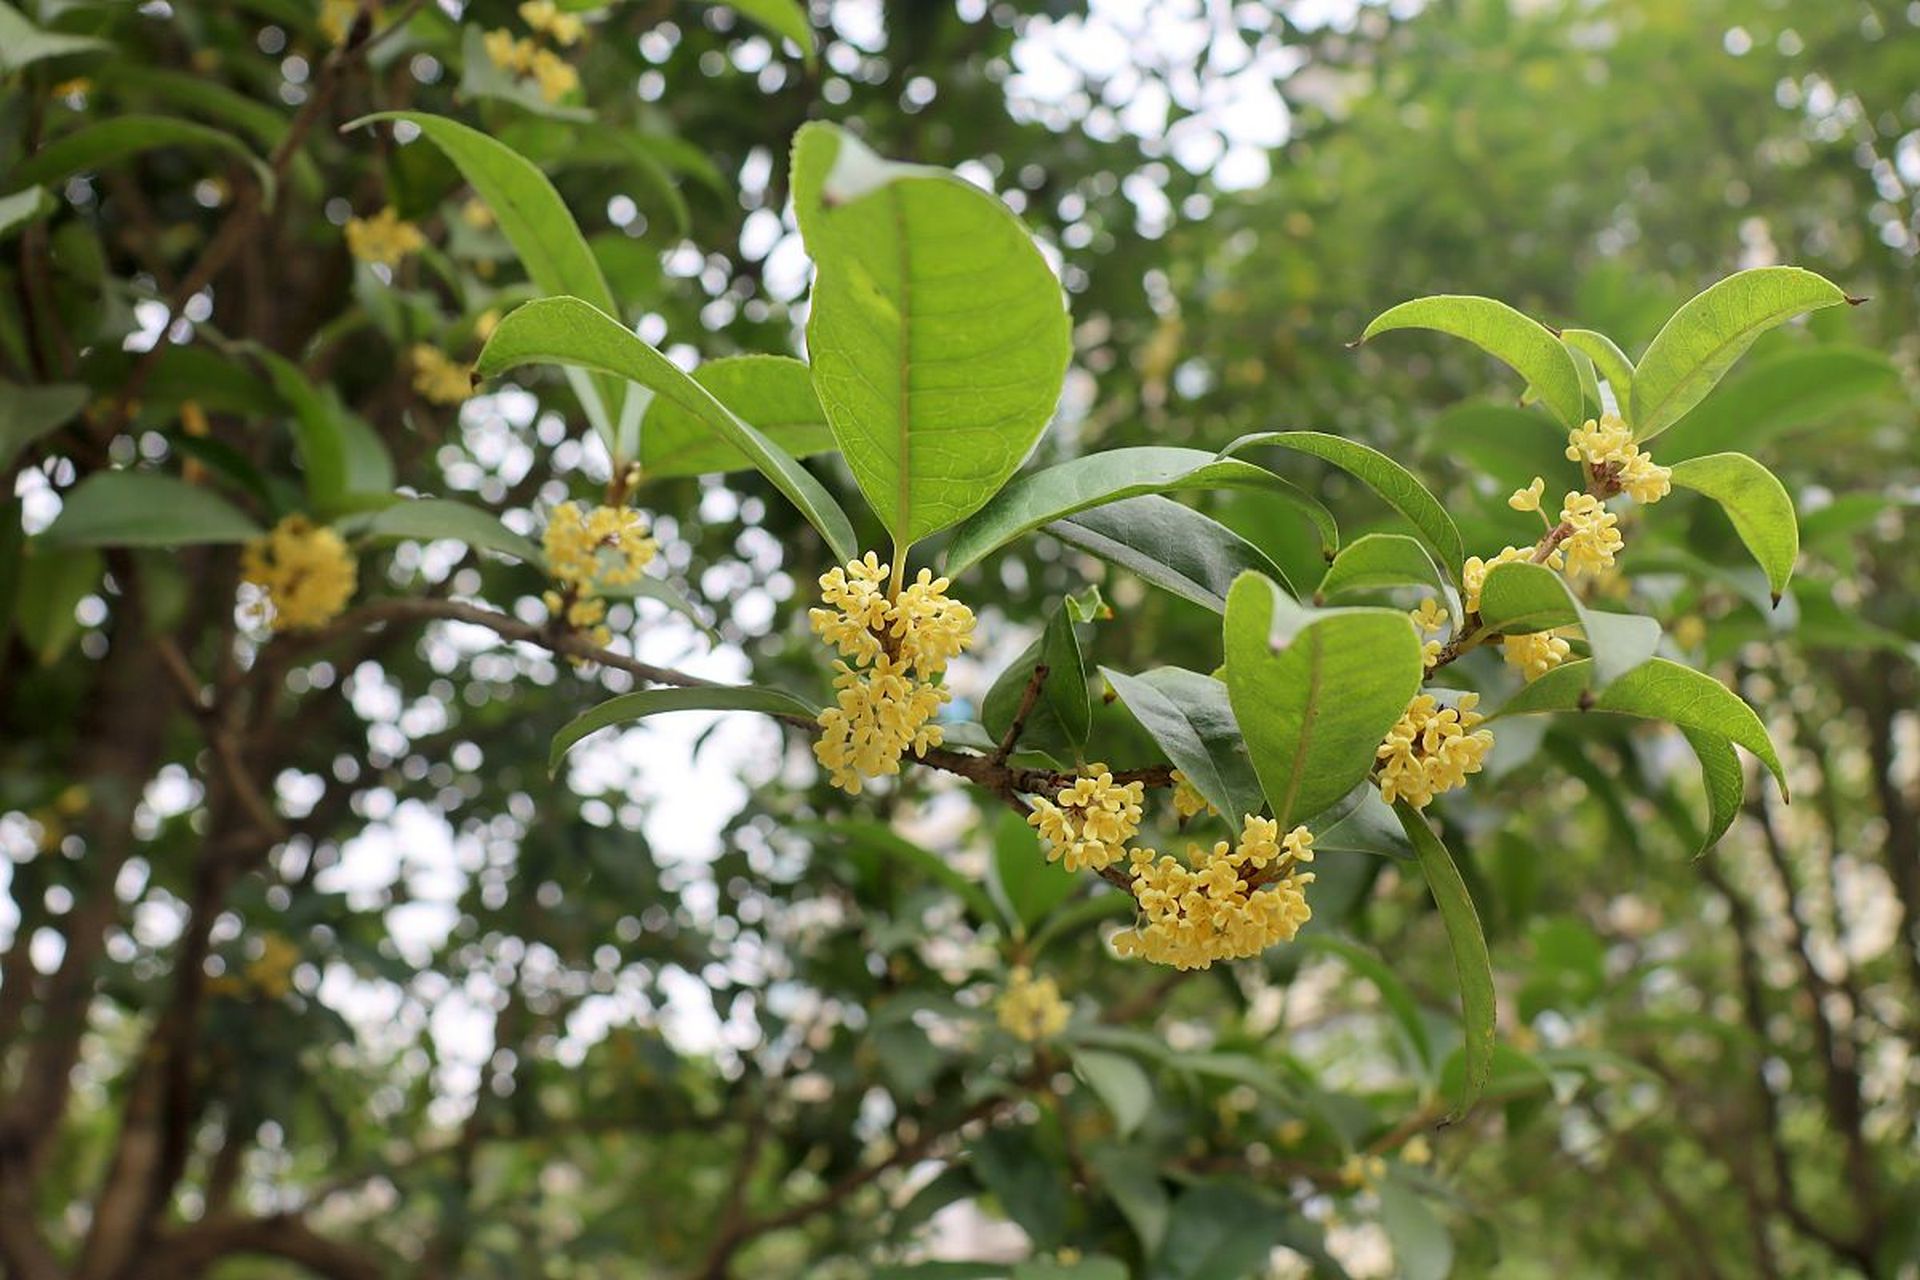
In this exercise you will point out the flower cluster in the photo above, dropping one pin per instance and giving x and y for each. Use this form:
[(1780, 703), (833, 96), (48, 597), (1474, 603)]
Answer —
[(1210, 908), (1595, 537), (385, 238), (1030, 1008), (1431, 619), (1607, 450), (438, 378), (305, 570), (898, 644), (587, 549), (553, 74), (1086, 826), (1432, 749), (1535, 653), (1187, 800)]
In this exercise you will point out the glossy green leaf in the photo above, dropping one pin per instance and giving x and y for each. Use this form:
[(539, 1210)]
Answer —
[(1422, 1247), (23, 44), (1395, 485), (106, 142), (1522, 343), (1608, 359), (27, 413), (1519, 598), (1725, 782), (629, 707), (1468, 941), (1191, 719), (1657, 690), (1030, 886), (1701, 341), (1360, 822), (341, 454), (1787, 392), (1169, 545), (773, 394), (1378, 560), (569, 331), (1315, 694), (1217, 1230), (786, 18), (1120, 1083), (1097, 479), (1756, 502), (23, 208), (145, 509), (426, 519), (1063, 715), (938, 335)]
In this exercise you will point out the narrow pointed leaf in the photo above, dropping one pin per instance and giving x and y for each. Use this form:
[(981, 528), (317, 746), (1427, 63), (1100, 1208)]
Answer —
[(1171, 546), (1725, 782), (23, 44), (1524, 344), (1608, 359), (772, 394), (106, 142), (629, 707), (425, 519), (1190, 717), (1701, 341), (1468, 941), (782, 17), (1756, 502)]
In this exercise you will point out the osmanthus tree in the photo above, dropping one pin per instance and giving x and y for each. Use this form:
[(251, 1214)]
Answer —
[(244, 591)]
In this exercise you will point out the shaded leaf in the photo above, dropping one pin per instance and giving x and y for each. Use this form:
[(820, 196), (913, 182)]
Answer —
[(1470, 960), (1171, 546), (629, 707), (1190, 717), (145, 509)]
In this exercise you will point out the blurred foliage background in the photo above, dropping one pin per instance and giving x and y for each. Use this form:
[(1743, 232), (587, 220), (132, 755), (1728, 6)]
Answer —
[(683, 1011)]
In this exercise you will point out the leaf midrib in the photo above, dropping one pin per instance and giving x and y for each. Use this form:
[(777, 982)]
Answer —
[(1309, 716), (903, 496)]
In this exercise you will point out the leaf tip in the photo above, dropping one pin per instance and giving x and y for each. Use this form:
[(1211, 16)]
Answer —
[(1856, 302), (1776, 598), (1586, 700)]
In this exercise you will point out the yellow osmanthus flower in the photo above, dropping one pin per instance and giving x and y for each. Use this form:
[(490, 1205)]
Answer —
[(1207, 908), (554, 74), (1030, 1008), (1536, 653), (1595, 539), (546, 17), (1606, 449), (1432, 749), (1473, 574), (306, 571), (1086, 826), (590, 548), (1432, 620), (1362, 1173), (885, 698), (478, 214), (384, 238), (1528, 499), (507, 52), (1417, 1150), (439, 379), (1187, 800)]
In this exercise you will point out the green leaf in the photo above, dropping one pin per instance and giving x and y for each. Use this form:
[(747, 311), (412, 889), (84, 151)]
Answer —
[(786, 18), (570, 332), (1469, 945), (22, 43), (1131, 1179), (638, 705), (1041, 497), (1703, 338), (1787, 392), (1189, 716), (1395, 485), (1524, 344), (1217, 1230), (95, 146), (426, 519), (145, 509), (24, 207), (774, 394), (939, 336), (1724, 779), (27, 413), (1519, 598), (1120, 1082), (1756, 502), (1097, 1267), (341, 454), (1360, 823), (1031, 886), (1011, 1164), (1422, 1247), (1063, 716), (1608, 359), (1315, 694), (537, 223), (52, 583), (1376, 560), (1657, 690), (1173, 547)]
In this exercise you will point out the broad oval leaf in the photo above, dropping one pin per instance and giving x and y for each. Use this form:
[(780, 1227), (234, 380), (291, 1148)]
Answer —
[(1026, 885), (1608, 359), (1190, 717), (1314, 704), (773, 394), (642, 703), (1377, 560), (1756, 502), (426, 519), (569, 331), (1656, 690), (938, 334), (1468, 942), (145, 509), (1521, 598), (1040, 497), (1395, 485), (1521, 342), (1169, 545), (1704, 337)]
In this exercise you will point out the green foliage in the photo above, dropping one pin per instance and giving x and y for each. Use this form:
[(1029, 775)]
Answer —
[(1525, 345), (1756, 502)]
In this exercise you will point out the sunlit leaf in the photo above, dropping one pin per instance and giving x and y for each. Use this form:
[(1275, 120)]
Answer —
[(1522, 343)]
